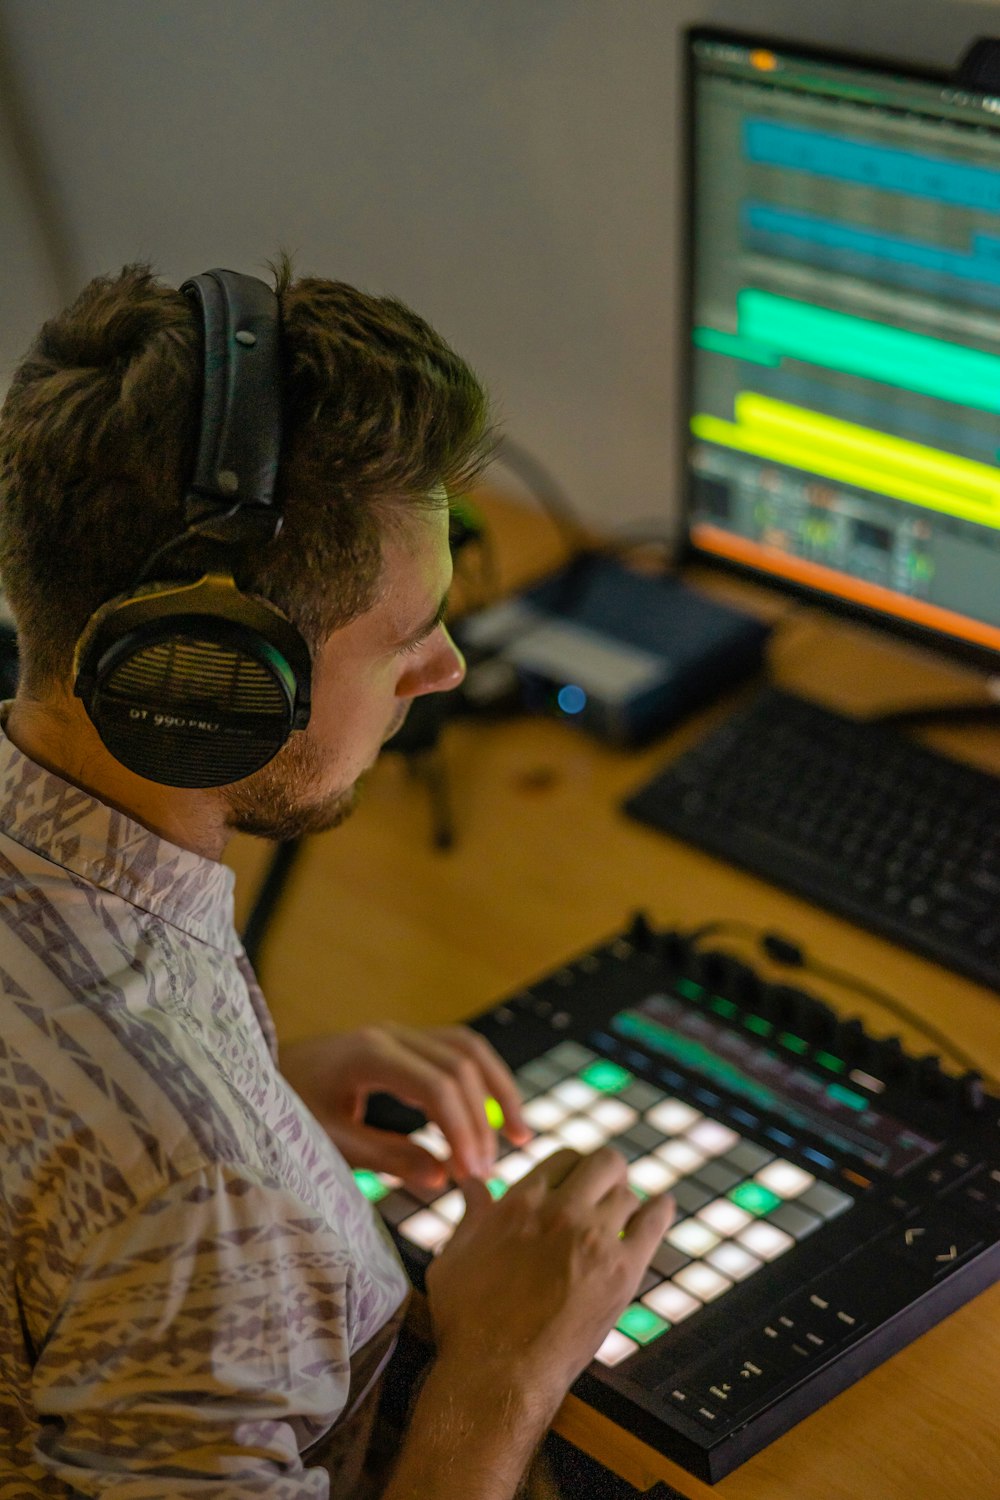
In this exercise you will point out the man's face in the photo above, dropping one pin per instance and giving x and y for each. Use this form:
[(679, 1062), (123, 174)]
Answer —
[(364, 678)]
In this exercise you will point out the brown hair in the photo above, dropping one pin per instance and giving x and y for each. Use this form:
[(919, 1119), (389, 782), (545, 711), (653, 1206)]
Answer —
[(97, 442)]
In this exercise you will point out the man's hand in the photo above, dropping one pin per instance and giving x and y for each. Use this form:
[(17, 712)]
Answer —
[(447, 1072), (529, 1286)]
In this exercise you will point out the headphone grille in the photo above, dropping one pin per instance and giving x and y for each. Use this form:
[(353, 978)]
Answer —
[(193, 713), (181, 671)]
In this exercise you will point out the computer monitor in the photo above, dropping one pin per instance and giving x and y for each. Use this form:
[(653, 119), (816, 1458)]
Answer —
[(843, 394)]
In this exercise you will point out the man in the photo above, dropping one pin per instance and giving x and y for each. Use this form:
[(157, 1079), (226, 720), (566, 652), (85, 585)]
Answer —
[(196, 1299)]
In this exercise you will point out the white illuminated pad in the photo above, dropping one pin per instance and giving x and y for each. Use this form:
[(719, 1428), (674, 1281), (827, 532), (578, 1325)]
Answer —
[(432, 1140), (613, 1116), (542, 1146), (544, 1113), (724, 1217), (581, 1134), (671, 1302), (713, 1138), (451, 1207), (734, 1260), (672, 1116), (681, 1156), (574, 1093), (784, 1178), (702, 1281), (650, 1175), (615, 1348), (693, 1237), (513, 1167), (426, 1230), (765, 1240)]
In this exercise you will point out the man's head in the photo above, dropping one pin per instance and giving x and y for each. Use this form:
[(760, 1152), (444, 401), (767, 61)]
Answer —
[(97, 439)]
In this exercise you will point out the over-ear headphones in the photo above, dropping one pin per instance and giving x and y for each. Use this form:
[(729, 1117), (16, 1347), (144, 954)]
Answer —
[(196, 684)]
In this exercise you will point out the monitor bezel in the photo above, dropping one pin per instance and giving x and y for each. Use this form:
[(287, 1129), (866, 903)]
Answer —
[(970, 653)]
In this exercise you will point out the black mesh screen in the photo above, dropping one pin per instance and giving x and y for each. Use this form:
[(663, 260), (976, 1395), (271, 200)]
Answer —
[(192, 713)]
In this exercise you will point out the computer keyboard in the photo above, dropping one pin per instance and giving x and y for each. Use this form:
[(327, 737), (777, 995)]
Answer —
[(850, 814)]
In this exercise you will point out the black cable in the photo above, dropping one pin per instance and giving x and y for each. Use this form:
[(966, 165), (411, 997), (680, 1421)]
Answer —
[(782, 950), (545, 488)]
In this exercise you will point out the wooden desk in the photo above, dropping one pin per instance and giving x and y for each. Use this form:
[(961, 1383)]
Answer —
[(376, 923)]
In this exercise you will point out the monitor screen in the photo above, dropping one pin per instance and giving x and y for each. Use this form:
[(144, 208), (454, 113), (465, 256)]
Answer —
[(844, 395)]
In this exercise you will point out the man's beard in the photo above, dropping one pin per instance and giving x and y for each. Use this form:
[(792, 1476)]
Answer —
[(278, 801)]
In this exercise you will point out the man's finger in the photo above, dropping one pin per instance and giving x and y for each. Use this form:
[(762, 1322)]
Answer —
[(501, 1084)]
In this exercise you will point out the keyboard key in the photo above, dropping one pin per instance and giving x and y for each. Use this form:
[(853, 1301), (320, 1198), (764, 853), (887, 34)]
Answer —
[(607, 1077), (748, 1156), (645, 1136), (537, 1076), (795, 1220), (724, 1216), (754, 1198), (574, 1093), (426, 1229), (668, 1259), (451, 1207), (733, 1260), (616, 1347), (690, 1195), (712, 1138), (544, 1113), (784, 1178), (641, 1096), (375, 1185), (829, 1202), (681, 1156), (672, 1117), (613, 1115), (433, 1141), (580, 1134), (513, 1167), (641, 1323), (702, 1281), (570, 1056), (542, 1146), (693, 1237), (719, 1175), (399, 1206), (650, 1176), (765, 1240), (672, 1302)]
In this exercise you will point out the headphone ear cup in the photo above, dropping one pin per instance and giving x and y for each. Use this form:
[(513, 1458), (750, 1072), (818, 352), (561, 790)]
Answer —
[(193, 685)]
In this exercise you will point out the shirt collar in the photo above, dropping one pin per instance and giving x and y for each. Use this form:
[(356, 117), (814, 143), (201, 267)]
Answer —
[(86, 837)]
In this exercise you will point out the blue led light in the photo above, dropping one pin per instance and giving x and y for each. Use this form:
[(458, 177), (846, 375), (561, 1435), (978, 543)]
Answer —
[(571, 699), (779, 1136), (818, 1157)]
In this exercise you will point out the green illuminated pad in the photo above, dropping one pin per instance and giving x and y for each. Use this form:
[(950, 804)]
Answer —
[(754, 1198), (641, 1323), (372, 1187), (606, 1076)]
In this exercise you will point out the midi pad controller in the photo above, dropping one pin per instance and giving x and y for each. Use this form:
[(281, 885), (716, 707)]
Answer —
[(835, 1196)]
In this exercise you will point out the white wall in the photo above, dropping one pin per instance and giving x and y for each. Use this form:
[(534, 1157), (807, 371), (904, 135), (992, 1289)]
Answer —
[(507, 166)]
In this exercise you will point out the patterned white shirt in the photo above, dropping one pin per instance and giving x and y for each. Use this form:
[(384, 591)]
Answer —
[(186, 1265)]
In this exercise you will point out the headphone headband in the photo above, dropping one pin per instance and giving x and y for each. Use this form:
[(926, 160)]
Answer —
[(241, 416)]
